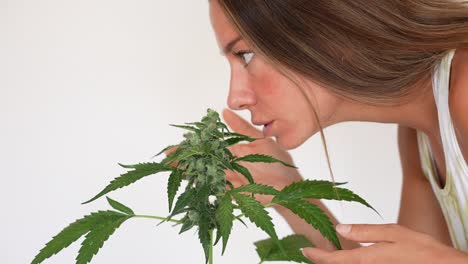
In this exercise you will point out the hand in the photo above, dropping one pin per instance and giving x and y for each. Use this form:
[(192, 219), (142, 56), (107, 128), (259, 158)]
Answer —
[(394, 244), (272, 174)]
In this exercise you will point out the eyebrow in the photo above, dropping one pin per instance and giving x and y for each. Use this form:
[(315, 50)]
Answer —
[(230, 45)]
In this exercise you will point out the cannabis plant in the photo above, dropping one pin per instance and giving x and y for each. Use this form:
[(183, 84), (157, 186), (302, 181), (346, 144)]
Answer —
[(207, 201)]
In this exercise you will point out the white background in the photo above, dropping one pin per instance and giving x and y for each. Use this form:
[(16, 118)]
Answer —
[(87, 84)]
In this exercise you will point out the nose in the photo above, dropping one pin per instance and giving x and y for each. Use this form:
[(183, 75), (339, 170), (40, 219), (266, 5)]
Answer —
[(241, 96)]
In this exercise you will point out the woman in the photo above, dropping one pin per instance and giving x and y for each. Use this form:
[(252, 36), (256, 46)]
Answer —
[(299, 66)]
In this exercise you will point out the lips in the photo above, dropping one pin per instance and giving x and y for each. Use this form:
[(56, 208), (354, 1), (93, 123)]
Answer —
[(261, 123), (267, 129)]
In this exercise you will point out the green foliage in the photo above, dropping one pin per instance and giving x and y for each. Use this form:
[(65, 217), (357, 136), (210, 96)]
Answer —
[(165, 149), (120, 207), (256, 212), (225, 218), (97, 235), (318, 190), (200, 162), (187, 225), (173, 185), (140, 171), (268, 249), (257, 188), (236, 139), (262, 158), (190, 128), (244, 171), (313, 215), (183, 200), (97, 227), (204, 235)]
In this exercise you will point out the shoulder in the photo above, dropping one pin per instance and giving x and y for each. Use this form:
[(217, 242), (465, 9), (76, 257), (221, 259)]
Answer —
[(458, 101)]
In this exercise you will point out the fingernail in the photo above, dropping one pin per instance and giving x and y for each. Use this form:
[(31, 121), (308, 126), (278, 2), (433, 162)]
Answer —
[(343, 229)]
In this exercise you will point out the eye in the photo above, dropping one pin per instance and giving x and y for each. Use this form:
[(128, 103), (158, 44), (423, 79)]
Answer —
[(246, 56)]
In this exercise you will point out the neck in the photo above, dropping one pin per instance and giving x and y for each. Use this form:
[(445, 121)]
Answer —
[(420, 113)]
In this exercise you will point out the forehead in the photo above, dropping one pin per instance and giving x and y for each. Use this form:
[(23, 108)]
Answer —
[(223, 29)]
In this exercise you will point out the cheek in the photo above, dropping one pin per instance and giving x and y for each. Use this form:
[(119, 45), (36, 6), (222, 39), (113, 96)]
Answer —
[(271, 86), (281, 94)]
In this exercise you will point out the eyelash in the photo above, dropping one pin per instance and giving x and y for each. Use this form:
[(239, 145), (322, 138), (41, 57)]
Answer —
[(240, 54)]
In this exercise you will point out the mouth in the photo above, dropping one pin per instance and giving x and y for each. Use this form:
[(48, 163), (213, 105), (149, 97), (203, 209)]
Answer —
[(267, 128), (265, 123)]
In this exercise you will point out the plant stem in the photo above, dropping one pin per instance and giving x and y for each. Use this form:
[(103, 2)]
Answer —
[(158, 217), (211, 247)]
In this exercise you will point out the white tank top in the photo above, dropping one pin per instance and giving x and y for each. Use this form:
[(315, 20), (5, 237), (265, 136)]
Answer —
[(453, 198)]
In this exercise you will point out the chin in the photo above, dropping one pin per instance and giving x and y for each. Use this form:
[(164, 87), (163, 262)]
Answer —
[(286, 143)]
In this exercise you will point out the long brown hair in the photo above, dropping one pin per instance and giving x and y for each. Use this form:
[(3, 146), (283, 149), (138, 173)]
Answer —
[(372, 51)]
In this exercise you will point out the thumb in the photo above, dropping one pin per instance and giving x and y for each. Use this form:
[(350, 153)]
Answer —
[(239, 125)]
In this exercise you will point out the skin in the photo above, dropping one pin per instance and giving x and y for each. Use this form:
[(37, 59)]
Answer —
[(256, 86)]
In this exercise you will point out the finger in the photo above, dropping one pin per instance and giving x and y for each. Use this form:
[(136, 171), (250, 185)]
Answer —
[(317, 255), (239, 125), (168, 152), (374, 233), (234, 178)]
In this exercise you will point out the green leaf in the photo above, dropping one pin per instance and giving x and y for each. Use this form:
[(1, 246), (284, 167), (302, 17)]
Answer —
[(140, 170), (257, 188), (235, 140), (313, 215), (204, 235), (215, 133), (247, 138), (120, 207), (97, 236), (200, 125), (256, 212), (222, 125), (262, 158), (166, 148), (305, 188), (73, 232), (268, 250), (180, 154), (190, 128), (229, 153), (225, 218), (243, 170), (224, 162), (187, 225), (319, 190), (218, 236), (296, 242), (173, 185), (183, 200), (238, 218)]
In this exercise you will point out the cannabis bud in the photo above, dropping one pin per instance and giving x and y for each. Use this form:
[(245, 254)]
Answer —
[(200, 162)]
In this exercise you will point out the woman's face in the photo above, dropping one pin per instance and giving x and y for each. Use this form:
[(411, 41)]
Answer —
[(268, 95)]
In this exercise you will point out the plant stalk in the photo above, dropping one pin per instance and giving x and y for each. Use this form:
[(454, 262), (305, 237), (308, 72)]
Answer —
[(158, 218)]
